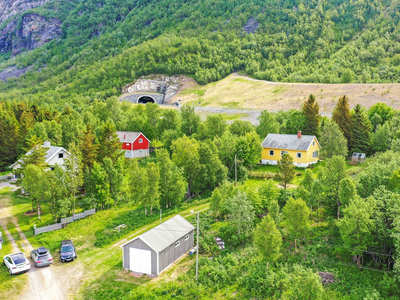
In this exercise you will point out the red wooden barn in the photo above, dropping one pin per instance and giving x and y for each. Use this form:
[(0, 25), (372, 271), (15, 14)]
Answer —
[(135, 143)]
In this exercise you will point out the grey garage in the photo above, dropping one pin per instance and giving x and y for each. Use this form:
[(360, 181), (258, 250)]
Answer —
[(153, 251)]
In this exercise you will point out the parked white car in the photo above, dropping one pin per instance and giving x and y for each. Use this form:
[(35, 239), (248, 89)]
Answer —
[(17, 263)]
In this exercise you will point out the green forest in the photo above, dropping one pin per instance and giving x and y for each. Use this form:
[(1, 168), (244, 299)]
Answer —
[(282, 225), (338, 218), (105, 46)]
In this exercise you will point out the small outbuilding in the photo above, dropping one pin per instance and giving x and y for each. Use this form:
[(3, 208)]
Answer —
[(358, 158), (153, 251)]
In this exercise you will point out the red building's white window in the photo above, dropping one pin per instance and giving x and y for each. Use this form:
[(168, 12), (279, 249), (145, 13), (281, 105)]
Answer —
[(140, 141)]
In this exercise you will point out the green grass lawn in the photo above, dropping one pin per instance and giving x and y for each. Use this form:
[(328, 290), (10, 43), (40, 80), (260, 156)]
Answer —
[(100, 268)]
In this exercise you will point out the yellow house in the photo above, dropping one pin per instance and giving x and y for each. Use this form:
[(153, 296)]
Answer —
[(303, 148)]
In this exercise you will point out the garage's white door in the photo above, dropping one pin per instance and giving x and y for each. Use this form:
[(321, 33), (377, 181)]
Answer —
[(140, 260)]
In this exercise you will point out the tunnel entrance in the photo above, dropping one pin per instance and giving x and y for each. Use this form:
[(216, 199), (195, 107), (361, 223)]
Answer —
[(146, 99)]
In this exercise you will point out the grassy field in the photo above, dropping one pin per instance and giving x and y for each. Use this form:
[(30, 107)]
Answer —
[(316, 168), (236, 91), (98, 272)]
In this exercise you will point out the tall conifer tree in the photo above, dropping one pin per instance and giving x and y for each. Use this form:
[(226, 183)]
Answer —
[(8, 139), (88, 147), (361, 131), (311, 112), (341, 115), (109, 145)]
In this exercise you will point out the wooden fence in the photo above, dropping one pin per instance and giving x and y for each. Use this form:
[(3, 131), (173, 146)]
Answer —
[(64, 221)]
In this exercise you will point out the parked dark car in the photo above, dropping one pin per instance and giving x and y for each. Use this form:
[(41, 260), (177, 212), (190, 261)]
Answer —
[(41, 257), (67, 251)]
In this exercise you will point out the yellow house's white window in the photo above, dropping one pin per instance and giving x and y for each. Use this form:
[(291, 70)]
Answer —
[(313, 143), (298, 154), (283, 152), (271, 152), (315, 154)]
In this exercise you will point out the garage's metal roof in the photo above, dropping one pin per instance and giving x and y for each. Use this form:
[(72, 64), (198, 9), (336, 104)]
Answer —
[(287, 141), (165, 234)]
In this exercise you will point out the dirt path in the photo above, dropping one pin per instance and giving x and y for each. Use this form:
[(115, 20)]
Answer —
[(48, 283)]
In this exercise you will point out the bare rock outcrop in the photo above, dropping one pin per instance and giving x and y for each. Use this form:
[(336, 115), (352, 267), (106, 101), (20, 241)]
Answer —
[(9, 8), (33, 31), (166, 85)]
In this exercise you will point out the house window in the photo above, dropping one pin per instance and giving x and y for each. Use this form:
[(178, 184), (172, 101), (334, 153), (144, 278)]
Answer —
[(283, 152), (315, 154), (177, 243), (271, 152), (127, 144), (298, 154), (140, 151), (313, 143), (140, 141), (186, 237), (51, 168), (60, 155)]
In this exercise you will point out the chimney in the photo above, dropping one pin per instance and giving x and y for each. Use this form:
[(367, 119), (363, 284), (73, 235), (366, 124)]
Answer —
[(47, 144), (299, 134), (124, 136)]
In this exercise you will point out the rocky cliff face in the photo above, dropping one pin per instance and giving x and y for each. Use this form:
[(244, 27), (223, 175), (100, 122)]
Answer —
[(9, 8), (33, 31)]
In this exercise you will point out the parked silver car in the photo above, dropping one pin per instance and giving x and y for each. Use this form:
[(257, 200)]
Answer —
[(41, 257), (16, 263)]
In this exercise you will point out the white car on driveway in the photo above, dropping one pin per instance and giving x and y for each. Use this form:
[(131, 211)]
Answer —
[(17, 263)]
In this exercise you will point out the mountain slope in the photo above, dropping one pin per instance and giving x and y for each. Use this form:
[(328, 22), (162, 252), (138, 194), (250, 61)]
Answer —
[(106, 44)]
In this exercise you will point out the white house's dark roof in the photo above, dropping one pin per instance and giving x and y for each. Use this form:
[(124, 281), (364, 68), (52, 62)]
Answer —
[(165, 234), (287, 141), (128, 136)]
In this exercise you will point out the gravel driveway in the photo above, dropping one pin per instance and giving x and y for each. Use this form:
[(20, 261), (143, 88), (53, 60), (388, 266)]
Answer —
[(47, 283)]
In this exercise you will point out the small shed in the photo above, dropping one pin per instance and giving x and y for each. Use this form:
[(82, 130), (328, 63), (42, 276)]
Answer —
[(358, 157), (153, 251)]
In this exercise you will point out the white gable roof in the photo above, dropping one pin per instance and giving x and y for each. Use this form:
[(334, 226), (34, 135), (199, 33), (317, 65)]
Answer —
[(49, 155)]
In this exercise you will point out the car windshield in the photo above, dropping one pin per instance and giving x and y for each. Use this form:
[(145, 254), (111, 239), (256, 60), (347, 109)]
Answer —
[(18, 259), (68, 248)]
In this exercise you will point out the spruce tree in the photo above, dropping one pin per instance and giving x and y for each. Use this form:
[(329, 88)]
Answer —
[(341, 115), (311, 112), (36, 154), (109, 145), (8, 139), (286, 170), (361, 131), (88, 147)]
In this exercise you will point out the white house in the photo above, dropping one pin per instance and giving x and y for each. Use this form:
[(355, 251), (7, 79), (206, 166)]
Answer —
[(54, 155)]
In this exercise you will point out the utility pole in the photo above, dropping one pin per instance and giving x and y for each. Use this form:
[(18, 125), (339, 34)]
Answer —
[(197, 249), (160, 214), (236, 167)]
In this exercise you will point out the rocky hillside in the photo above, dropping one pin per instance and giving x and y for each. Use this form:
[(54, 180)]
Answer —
[(29, 32), (29, 24), (9, 8)]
